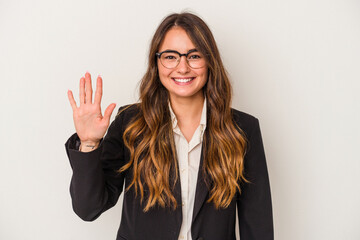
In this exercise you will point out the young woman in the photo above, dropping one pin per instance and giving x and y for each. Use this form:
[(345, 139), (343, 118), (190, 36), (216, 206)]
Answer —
[(185, 157)]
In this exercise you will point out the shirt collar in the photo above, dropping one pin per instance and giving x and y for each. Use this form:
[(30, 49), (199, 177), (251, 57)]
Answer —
[(202, 120)]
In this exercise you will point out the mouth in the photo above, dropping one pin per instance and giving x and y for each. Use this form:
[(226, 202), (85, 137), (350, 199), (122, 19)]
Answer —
[(183, 80)]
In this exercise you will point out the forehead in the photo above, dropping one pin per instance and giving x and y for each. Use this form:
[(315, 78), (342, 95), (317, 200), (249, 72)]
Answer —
[(176, 39)]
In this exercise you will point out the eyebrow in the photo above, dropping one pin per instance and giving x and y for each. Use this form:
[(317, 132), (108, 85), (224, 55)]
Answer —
[(193, 49)]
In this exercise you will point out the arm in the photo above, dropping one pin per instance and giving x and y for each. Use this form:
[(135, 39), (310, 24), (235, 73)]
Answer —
[(95, 185), (254, 203)]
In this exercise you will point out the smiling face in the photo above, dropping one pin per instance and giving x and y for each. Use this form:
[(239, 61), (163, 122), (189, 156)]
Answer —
[(182, 82)]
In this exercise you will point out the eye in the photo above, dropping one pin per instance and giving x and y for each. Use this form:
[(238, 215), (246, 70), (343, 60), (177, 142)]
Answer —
[(170, 57), (194, 56)]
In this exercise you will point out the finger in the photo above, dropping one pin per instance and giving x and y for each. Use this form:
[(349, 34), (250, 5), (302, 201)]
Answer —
[(108, 111), (82, 91), (88, 88), (98, 92), (71, 100)]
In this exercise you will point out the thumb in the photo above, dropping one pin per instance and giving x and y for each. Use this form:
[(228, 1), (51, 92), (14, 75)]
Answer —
[(108, 111)]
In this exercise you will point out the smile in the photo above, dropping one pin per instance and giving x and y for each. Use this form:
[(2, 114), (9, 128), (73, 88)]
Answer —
[(182, 80)]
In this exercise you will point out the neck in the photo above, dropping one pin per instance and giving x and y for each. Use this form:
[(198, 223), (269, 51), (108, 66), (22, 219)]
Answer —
[(187, 110)]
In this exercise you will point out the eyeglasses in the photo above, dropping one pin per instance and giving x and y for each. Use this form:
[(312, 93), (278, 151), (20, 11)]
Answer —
[(171, 58)]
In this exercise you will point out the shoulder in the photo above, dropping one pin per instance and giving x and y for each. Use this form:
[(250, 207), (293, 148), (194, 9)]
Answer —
[(127, 112), (124, 115), (244, 121)]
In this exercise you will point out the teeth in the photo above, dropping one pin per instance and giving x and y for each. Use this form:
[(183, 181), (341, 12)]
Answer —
[(182, 80)]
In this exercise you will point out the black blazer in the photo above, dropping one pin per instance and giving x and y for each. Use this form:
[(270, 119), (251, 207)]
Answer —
[(95, 187)]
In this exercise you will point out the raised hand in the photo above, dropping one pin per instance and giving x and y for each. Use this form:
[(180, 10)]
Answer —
[(89, 122)]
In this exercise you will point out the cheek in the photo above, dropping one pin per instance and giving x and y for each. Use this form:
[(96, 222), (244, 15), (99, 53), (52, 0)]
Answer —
[(204, 75), (163, 76), (164, 72)]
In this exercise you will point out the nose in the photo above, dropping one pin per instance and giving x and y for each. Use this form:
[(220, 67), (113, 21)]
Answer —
[(183, 66)]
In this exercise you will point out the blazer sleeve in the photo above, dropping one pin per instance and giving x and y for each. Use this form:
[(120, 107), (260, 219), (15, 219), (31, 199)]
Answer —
[(95, 184), (254, 202)]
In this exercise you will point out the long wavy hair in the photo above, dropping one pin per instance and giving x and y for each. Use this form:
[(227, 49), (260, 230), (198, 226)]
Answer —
[(149, 136)]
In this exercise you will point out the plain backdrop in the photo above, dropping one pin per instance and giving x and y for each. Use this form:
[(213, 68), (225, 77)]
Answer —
[(294, 64)]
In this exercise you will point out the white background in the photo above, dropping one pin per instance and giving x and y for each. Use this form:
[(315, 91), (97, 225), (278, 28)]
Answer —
[(294, 64)]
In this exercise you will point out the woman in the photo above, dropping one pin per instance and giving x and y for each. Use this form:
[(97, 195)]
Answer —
[(186, 158)]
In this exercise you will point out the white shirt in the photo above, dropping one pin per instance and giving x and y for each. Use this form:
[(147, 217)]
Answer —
[(188, 155)]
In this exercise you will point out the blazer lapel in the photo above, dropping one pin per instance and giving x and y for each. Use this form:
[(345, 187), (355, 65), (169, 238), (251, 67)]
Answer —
[(177, 195), (201, 189)]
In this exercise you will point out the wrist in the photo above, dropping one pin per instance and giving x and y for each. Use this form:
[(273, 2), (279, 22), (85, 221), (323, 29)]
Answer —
[(88, 146)]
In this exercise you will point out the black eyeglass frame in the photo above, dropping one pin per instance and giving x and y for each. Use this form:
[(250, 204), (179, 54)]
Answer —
[(180, 55)]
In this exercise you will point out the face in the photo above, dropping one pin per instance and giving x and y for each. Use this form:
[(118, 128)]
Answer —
[(182, 81)]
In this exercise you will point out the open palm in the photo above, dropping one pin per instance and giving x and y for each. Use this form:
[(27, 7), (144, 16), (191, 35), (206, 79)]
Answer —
[(89, 122)]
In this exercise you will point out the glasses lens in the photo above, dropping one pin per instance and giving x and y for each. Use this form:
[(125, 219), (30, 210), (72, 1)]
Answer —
[(196, 60), (169, 59)]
